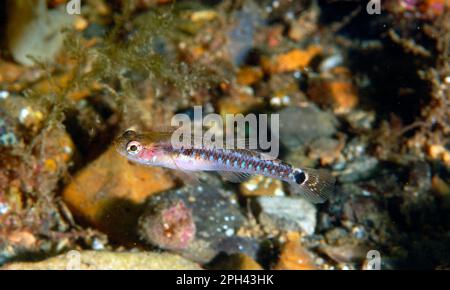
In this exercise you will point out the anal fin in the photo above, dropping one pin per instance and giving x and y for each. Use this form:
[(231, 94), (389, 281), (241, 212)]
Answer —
[(232, 176)]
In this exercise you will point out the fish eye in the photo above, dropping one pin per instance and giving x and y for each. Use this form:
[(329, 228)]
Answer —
[(134, 147)]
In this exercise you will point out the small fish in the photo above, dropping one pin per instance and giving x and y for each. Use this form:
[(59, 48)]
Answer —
[(155, 149)]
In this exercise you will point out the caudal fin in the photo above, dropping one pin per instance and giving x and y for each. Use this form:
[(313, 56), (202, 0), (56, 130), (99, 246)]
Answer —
[(315, 185)]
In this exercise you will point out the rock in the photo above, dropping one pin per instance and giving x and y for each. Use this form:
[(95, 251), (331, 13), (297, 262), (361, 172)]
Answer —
[(7, 134), (427, 9), (57, 150), (305, 25), (10, 72), (433, 8), (293, 256), (248, 75), (237, 244), (331, 62), (286, 213), (168, 224), (80, 23), (417, 200), (242, 100), (440, 186), (16, 242), (92, 260), (366, 211), (237, 261), (61, 82), (110, 193), (24, 116), (337, 236), (301, 125), (298, 157), (359, 169), (35, 32), (442, 189), (216, 216), (360, 119), (22, 122), (345, 253), (438, 151), (261, 186), (284, 90), (419, 183), (327, 150), (203, 15), (341, 96), (243, 28), (338, 93)]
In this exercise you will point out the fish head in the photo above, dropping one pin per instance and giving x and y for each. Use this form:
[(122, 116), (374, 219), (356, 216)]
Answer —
[(140, 148), (129, 144)]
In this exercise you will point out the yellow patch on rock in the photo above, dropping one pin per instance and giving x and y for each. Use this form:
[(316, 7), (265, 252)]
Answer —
[(109, 193), (294, 59), (293, 256)]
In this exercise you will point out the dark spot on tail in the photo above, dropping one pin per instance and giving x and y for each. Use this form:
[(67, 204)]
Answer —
[(299, 176)]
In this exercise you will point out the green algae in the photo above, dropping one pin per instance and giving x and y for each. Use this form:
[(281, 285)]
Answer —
[(140, 47)]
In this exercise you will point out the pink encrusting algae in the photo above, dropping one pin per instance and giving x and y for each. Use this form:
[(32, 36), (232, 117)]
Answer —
[(155, 149), (169, 225)]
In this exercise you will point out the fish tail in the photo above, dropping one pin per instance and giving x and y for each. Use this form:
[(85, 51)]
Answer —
[(316, 185)]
